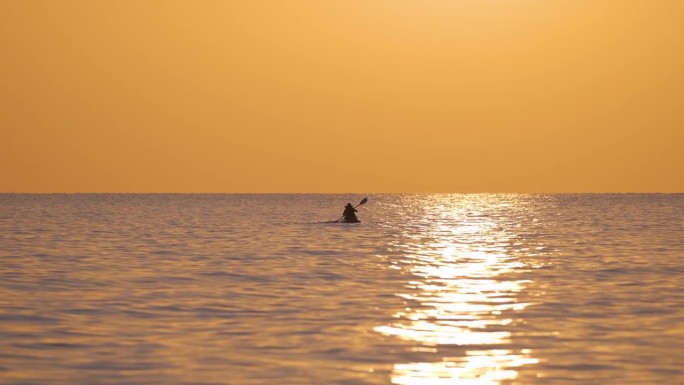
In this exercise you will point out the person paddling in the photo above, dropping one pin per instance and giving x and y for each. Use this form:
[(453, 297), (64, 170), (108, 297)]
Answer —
[(349, 214)]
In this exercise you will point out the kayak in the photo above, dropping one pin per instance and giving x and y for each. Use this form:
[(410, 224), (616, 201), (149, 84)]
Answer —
[(340, 222), (356, 221)]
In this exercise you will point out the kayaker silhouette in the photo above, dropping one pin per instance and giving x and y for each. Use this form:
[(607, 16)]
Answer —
[(349, 214)]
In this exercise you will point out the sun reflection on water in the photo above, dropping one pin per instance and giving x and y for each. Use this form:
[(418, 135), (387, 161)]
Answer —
[(463, 295)]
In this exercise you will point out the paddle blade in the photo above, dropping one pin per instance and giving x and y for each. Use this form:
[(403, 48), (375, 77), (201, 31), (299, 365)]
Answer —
[(363, 201)]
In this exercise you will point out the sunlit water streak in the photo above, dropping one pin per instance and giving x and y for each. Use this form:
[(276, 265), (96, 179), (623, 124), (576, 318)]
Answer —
[(464, 295), (429, 289)]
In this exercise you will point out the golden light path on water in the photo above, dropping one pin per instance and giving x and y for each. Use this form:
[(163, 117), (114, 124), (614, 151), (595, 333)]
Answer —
[(462, 299)]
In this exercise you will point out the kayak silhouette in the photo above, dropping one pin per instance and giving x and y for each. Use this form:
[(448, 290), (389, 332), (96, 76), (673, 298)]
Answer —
[(349, 215)]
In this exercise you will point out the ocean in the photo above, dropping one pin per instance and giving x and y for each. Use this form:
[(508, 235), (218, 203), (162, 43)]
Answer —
[(256, 289)]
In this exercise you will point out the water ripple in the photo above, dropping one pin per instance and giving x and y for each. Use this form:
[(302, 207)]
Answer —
[(486, 289)]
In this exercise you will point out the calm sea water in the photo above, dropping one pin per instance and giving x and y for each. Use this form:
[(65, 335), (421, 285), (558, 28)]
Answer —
[(429, 289)]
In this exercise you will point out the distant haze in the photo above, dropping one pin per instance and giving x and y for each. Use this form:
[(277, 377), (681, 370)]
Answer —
[(341, 96)]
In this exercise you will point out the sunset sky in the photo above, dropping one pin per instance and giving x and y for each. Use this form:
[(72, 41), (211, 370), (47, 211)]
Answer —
[(342, 96)]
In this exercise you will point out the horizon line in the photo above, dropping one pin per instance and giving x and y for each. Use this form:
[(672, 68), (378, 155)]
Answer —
[(332, 193)]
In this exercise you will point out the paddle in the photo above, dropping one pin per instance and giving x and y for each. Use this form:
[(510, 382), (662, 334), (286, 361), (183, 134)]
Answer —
[(363, 201)]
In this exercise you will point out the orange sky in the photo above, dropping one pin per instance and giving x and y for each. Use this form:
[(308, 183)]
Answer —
[(341, 96)]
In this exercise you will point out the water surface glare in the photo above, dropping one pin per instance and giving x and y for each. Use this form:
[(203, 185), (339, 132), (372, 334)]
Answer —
[(430, 289)]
